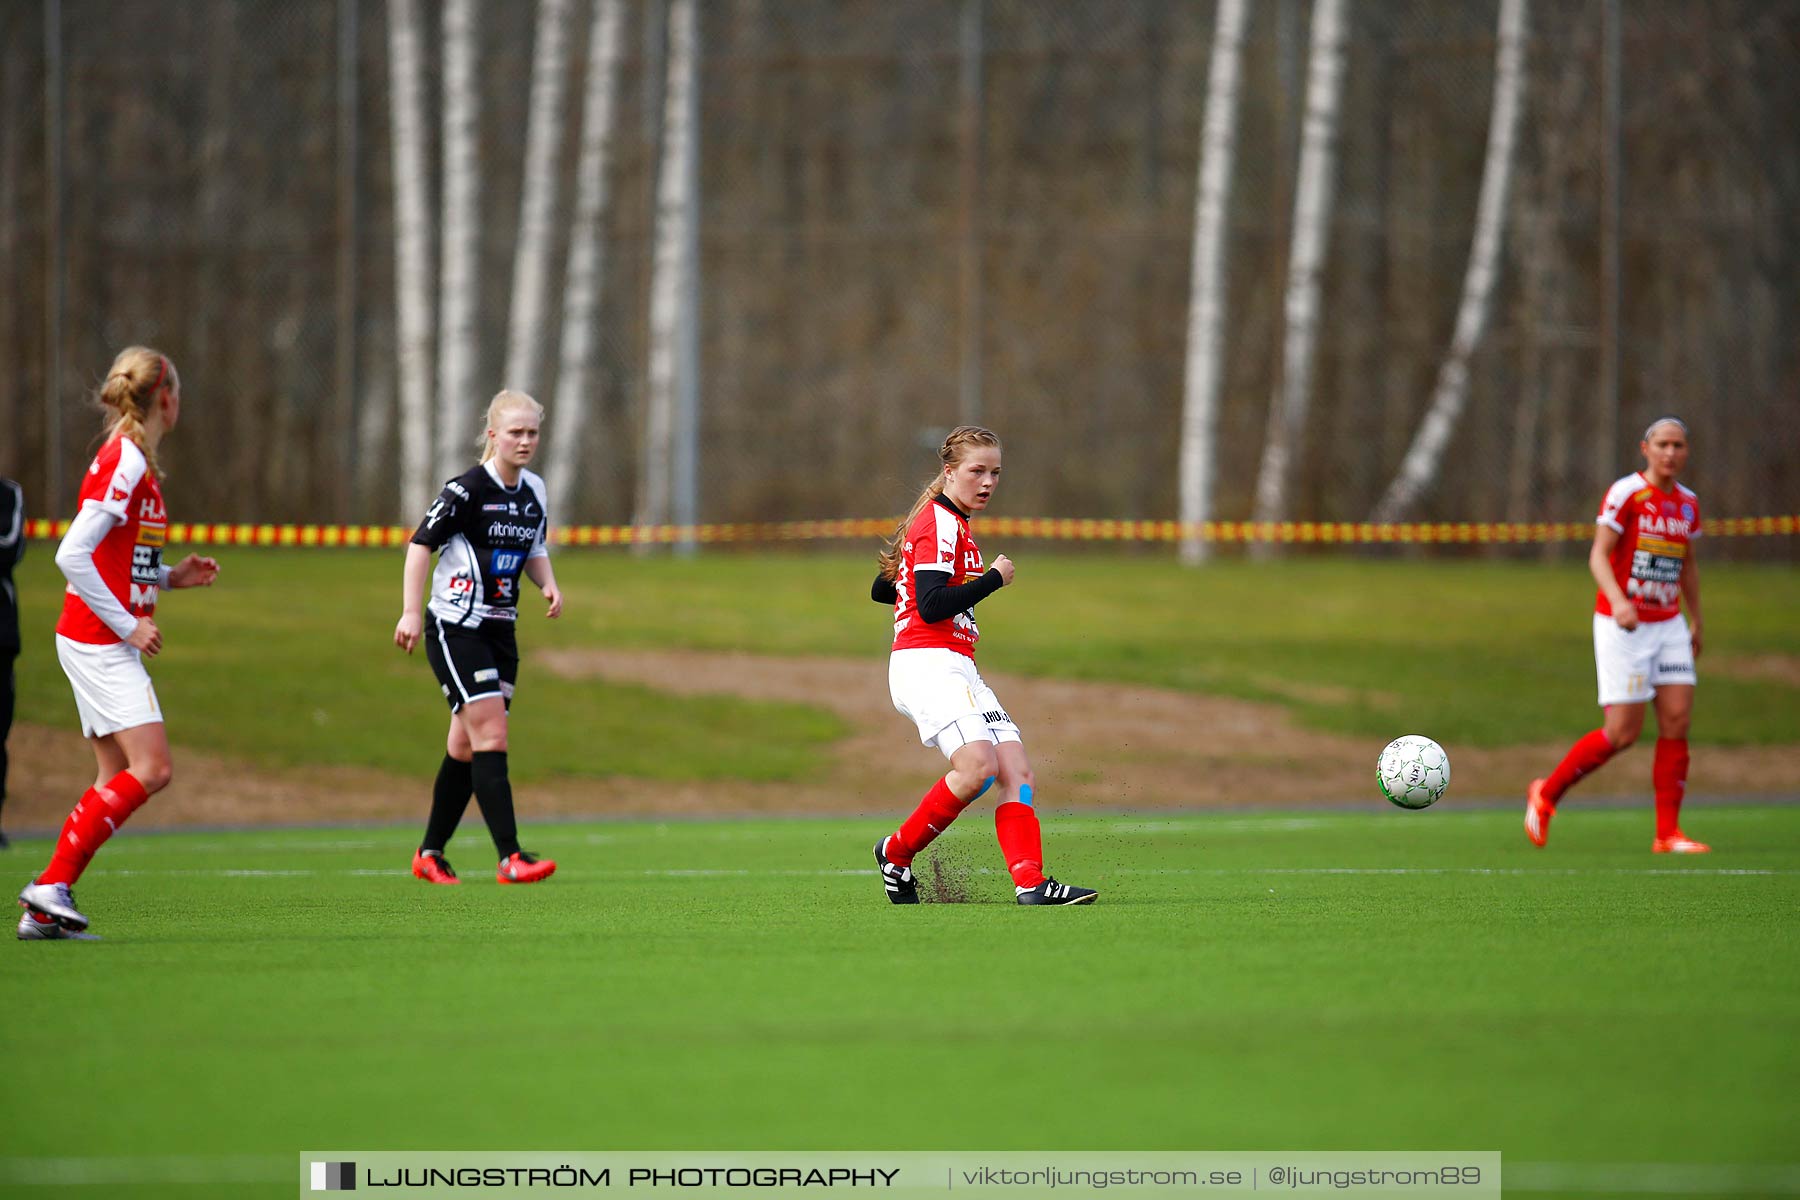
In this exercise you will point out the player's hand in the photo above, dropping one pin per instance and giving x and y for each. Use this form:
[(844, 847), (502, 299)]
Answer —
[(1625, 616), (147, 638), (1694, 634), (194, 571), (553, 595), (408, 631), (1003, 565)]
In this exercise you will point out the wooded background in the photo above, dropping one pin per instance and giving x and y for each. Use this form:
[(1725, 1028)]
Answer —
[(909, 213)]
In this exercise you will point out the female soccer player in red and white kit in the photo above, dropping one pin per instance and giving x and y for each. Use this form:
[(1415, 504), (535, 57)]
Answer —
[(932, 573), (112, 558), (489, 526), (1644, 649)]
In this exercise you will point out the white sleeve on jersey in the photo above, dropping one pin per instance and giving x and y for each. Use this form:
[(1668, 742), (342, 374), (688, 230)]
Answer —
[(940, 554), (75, 557), (541, 547), (1616, 497), (126, 477)]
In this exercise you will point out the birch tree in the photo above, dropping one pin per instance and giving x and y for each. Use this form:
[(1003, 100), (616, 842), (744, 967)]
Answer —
[(412, 255), (582, 288), (1314, 197), (670, 271), (1424, 458), (460, 246), (537, 207), (1206, 303)]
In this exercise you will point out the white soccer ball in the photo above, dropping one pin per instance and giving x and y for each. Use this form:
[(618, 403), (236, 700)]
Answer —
[(1413, 771)]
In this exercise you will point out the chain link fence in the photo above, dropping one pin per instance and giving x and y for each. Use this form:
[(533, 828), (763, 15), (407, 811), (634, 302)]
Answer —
[(915, 214)]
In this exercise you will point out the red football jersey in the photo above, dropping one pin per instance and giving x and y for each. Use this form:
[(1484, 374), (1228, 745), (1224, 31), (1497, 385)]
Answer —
[(937, 540), (130, 557), (1656, 529)]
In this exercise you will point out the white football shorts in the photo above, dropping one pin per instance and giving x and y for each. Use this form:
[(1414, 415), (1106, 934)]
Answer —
[(112, 689), (944, 695), (1632, 664)]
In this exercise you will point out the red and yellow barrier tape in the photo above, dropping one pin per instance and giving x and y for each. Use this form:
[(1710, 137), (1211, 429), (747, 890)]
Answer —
[(1046, 528)]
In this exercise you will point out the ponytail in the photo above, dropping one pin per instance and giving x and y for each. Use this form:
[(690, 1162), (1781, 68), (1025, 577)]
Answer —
[(137, 376), (959, 441)]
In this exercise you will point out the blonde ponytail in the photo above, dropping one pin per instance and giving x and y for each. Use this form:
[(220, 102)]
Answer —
[(957, 444), (137, 376)]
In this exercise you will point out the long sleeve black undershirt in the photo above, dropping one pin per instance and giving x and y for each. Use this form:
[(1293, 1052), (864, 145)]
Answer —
[(939, 600)]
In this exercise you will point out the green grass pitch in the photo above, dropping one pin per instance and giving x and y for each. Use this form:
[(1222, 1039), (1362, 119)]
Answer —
[(1377, 980), (1613, 1023)]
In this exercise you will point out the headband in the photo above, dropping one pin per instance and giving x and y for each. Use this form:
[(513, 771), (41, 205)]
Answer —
[(162, 368), (1677, 422)]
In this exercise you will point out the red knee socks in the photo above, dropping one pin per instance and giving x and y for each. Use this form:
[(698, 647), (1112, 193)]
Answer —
[(1670, 776), (1585, 755), (95, 818), (1021, 841), (935, 813)]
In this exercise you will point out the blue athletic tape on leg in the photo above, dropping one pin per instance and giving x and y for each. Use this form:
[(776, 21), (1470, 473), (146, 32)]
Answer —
[(985, 785), (1025, 794)]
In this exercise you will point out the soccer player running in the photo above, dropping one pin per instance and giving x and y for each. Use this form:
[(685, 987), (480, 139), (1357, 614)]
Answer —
[(112, 558), (1644, 649), (931, 572), (488, 527)]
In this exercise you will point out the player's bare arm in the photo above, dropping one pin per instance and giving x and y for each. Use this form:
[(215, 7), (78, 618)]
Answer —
[(1606, 540), (194, 571), (542, 574), (412, 620)]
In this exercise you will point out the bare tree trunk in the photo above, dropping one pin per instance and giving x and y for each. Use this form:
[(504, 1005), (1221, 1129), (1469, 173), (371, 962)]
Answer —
[(537, 210), (412, 256), (1314, 197), (1207, 288), (669, 282), (582, 289), (1424, 459), (460, 248)]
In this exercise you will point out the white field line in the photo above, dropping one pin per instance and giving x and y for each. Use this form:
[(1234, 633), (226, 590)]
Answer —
[(1599, 1179), (825, 872)]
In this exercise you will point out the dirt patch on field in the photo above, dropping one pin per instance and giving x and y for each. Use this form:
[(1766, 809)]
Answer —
[(1093, 746), (1762, 668)]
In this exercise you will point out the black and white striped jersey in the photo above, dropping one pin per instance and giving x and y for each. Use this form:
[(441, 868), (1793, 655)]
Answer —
[(483, 532)]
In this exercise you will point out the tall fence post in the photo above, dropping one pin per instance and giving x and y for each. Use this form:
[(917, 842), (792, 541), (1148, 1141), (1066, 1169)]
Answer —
[(348, 227), (1607, 443), (54, 255), (969, 206)]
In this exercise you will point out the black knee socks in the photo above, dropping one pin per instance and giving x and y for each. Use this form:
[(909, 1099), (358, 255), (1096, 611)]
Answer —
[(493, 791), (449, 797)]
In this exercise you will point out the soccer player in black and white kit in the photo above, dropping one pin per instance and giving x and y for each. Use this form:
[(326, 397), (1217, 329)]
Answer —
[(488, 527)]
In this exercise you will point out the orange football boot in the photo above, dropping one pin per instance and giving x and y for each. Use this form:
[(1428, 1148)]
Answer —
[(524, 868), (433, 867), (1679, 843), (1538, 812)]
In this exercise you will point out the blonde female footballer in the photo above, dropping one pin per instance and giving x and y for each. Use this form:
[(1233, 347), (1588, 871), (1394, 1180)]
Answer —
[(488, 527), (932, 573), (112, 559), (1644, 649)]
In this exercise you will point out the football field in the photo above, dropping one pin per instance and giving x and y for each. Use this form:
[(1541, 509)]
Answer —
[(1319, 980)]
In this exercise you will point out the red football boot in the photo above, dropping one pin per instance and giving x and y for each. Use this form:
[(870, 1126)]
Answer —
[(1538, 812), (433, 867), (524, 868)]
